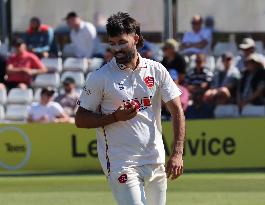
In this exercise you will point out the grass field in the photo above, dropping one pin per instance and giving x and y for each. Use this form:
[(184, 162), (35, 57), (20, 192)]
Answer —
[(190, 189)]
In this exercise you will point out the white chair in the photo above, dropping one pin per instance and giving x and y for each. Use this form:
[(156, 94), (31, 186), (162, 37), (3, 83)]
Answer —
[(226, 111), (53, 64), (20, 96), (75, 64), (77, 76), (222, 47), (94, 64), (2, 113), (47, 80), (3, 96), (16, 112), (253, 111)]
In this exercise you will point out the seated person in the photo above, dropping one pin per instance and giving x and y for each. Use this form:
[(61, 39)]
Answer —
[(46, 110), (22, 66), (248, 47), (173, 60), (199, 77), (224, 85), (69, 98), (199, 109), (252, 84), (39, 38), (198, 40)]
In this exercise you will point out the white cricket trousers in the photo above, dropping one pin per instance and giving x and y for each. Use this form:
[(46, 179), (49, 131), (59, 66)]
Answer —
[(142, 185)]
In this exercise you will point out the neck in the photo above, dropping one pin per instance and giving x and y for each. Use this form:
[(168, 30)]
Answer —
[(134, 63)]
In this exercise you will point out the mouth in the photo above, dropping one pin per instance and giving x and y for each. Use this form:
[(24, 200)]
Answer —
[(120, 55)]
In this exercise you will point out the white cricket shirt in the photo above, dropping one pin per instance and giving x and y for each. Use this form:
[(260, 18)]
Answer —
[(137, 141)]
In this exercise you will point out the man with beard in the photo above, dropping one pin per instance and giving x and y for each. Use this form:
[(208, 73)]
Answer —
[(123, 101)]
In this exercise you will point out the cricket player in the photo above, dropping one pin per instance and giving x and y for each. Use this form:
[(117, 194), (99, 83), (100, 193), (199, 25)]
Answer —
[(122, 100)]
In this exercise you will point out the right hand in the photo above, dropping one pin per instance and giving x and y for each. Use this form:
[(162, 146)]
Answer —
[(123, 114)]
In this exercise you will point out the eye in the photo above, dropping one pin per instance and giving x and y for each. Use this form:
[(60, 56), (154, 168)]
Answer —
[(122, 42)]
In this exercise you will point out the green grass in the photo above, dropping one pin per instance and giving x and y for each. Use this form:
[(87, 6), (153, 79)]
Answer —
[(190, 189)]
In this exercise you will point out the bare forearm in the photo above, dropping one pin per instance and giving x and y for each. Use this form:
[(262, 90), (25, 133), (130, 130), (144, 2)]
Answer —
[(93, 120), (178, 122)]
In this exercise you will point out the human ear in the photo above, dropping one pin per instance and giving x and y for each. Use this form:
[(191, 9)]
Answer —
[(136, 39)]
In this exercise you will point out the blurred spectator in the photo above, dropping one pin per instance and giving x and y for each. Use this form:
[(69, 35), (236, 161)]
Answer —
[(146, 51), (198, 40), (22, 66), (46, 110), (248, 46), (252, 84), (69, 98), (199, 77), (209, 24), (108, 55), (184, 98), (173, 60), (224, 84), (39, 38), (199, 109), (83, 35)]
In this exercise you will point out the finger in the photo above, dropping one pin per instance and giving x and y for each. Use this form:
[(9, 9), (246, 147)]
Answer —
[(174, 173), (181, 170), (177, 172)]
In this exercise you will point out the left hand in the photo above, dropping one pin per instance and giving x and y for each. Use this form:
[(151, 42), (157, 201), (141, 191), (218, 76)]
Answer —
[(174, 167)]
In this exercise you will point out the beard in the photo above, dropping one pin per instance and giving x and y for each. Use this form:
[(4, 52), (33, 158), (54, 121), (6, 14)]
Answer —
[(125, 57)]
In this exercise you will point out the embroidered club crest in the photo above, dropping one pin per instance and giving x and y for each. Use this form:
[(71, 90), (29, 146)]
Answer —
[(149, 81), (123, 178)]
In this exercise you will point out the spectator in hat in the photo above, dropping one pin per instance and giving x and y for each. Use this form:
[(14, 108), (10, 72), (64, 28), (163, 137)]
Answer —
[(173, 60), (198, 40), (39, 37), (248, 46), (22, 66), (83, 35), (47, 110), (252, 84), (224, 85), (69, 98)]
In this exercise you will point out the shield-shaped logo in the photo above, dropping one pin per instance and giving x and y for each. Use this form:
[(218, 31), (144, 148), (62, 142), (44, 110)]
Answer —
[(149, 81)]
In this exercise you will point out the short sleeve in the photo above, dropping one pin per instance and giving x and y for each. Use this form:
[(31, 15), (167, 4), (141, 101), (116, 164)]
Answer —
[(168, 88), (57, 109), (92, 92), (35, 62)]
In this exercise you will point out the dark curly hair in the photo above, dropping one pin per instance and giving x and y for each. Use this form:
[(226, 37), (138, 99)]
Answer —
[(121, 23)]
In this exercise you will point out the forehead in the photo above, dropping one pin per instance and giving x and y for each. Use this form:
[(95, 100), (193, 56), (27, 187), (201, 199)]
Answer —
[(124, 37)]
